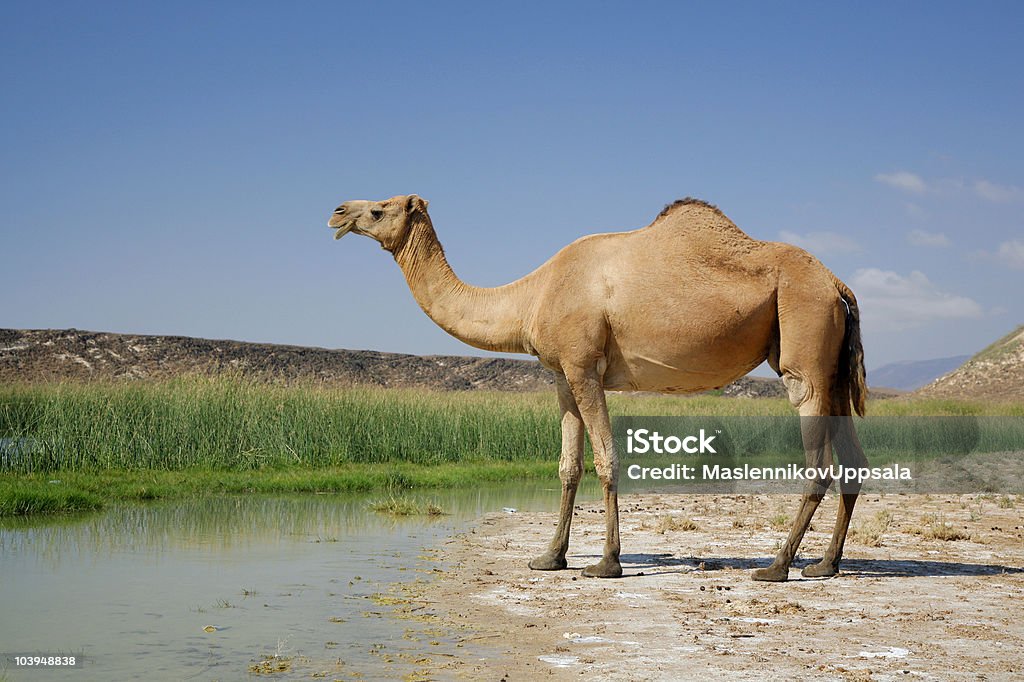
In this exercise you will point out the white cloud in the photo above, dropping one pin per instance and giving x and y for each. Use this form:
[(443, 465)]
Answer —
[(925, 238), (998, 193), (1012, 253), (893, 302), (904, 180), (915, 184), (819, 243)]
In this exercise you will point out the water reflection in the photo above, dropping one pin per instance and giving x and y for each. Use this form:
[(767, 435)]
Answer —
[(231, 522), (133, 586)]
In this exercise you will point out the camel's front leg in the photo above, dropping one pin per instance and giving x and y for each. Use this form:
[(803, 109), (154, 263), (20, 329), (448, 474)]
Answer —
[(587, 388), (570, 470)]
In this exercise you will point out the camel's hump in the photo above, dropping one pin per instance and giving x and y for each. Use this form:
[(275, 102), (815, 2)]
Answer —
[(696, 216), (688, 201)]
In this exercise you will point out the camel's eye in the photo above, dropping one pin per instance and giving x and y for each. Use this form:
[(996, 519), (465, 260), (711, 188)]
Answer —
[(377, 214)]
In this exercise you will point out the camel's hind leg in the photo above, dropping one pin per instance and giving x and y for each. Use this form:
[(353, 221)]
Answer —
[(848, 451), (811, 331), (570, 470), (814, 431)]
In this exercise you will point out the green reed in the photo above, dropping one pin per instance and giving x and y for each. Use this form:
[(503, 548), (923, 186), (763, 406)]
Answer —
[(233, 423)]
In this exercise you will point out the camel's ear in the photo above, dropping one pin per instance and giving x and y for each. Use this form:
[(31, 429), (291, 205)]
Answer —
[(414, 202)]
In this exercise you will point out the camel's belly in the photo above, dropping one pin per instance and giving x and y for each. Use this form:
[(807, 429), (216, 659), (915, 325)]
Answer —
[(675, 375), (687, 355)]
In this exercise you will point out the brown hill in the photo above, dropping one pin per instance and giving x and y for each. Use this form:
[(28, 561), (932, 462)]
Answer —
[(72, 354), (996, 373), (62, 354)]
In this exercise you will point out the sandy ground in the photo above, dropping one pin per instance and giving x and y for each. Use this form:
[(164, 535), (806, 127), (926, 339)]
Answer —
[(907, 605)]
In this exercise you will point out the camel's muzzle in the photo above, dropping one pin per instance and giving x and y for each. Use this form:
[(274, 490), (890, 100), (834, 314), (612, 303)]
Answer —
[(339, 224)]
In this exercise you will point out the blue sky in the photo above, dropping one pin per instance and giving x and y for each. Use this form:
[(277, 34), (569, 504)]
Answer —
[(169, 168)]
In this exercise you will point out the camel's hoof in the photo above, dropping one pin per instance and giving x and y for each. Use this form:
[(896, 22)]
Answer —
[(604, 569), (821, 569), (771, 574), (549, 562)]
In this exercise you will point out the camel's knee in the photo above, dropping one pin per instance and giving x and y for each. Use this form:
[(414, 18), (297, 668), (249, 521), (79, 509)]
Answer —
[(796, 388), (609, 476), (570, 471), (607, 470)]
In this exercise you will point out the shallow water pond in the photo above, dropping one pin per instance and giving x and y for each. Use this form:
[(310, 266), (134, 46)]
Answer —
[(207, 588)]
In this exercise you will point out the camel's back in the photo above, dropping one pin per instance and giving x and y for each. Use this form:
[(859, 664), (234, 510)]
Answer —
[(690, 237)]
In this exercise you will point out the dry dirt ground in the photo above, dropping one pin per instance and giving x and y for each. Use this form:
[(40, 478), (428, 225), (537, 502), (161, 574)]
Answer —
[(932, 587)]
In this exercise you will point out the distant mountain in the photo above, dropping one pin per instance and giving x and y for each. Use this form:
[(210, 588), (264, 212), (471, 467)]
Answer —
[(72, 354), (62, 354), (996, 373), (910, 375)]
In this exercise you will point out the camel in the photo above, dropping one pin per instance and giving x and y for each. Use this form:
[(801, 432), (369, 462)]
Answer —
[(688, 303)]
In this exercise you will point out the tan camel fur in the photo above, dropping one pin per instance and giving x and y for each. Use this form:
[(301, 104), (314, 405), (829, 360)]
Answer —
[(686, 304)]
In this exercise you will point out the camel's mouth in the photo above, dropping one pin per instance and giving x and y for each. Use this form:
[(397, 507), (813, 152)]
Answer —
[(340, 226)]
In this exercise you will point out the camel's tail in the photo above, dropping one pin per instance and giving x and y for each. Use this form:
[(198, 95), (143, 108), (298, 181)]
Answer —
[(851, 373)]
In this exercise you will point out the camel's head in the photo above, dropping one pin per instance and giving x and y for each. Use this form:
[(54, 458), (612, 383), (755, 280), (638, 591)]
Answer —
[(386, 221)]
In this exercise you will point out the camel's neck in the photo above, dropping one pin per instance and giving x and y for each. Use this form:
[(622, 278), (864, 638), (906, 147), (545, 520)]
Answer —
[(487, 318)]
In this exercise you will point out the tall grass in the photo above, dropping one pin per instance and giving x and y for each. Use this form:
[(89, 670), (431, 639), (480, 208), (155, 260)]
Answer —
[(238, 424), (232, 423)]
